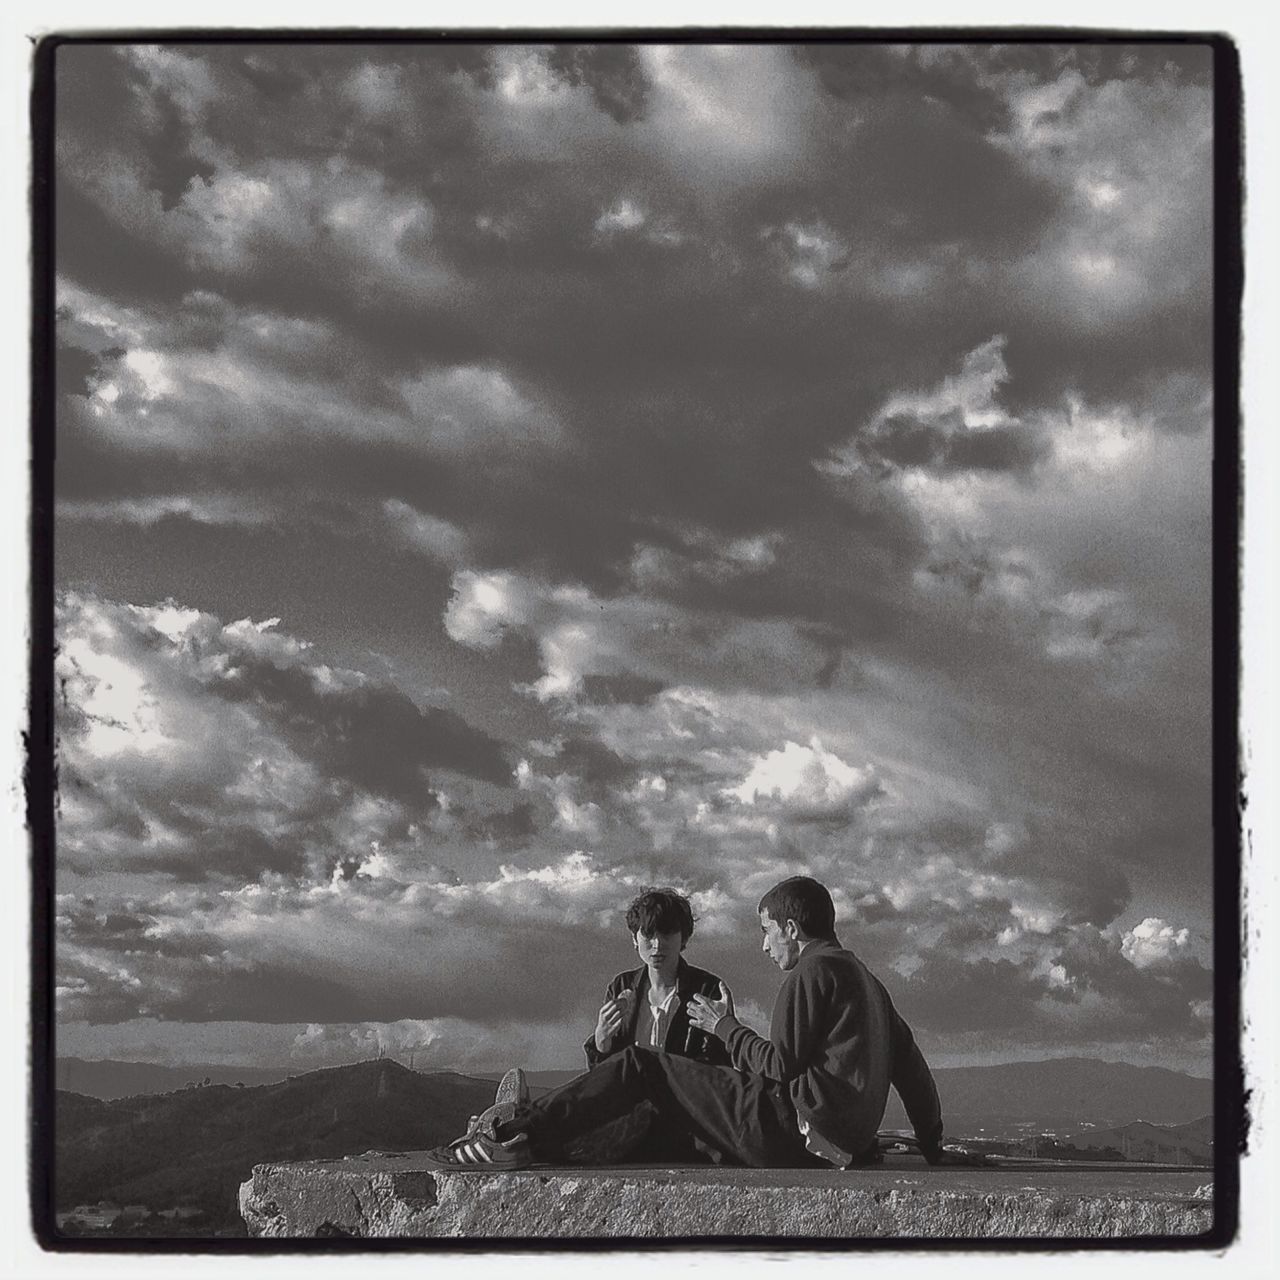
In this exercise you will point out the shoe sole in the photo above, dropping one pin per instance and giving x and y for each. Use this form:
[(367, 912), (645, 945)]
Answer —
[(442, 1159), (513, 1089), (513, 1093)]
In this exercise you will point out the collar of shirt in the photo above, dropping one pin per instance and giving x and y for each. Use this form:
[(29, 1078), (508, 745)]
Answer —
[(660, 1017)]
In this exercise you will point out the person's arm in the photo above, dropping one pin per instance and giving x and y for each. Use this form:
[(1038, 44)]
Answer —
[(702, 1045), (915, 1086), (793, 1033), (607, 1038)]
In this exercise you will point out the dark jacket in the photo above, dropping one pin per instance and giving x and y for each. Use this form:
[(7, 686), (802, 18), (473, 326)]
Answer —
[(682, 1038), (838, 1043)]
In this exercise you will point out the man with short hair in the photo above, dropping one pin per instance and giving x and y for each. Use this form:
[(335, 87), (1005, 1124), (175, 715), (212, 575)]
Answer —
[(813, 1093), (835, 1037)]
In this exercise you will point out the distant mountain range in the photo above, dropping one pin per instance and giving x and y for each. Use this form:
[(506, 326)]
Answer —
[(186, 1151), (192, 1148), (1161, 1144), (108, 1079), (1067, 1090)]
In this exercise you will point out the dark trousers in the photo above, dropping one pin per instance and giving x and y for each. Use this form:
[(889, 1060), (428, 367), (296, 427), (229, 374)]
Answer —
[(603, 1116)]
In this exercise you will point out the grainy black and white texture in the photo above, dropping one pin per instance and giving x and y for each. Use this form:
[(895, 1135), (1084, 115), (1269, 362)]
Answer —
[(494, 478)]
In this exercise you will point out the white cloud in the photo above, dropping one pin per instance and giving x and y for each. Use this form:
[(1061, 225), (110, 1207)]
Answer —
[(440, 539), (1132, 160), (1153, 942), (971, 393), (704, 554), (483, 605), (577, 817), (203, 508), (965, 400), (122, 710), (351, 213), (622, 215), (1102, 439), (150, 369), (727, 113), (376, 90), (807, 780), (811, 251), (464, 406)]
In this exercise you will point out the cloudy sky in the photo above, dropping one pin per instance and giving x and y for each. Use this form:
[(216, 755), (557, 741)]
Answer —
[(494, 479)]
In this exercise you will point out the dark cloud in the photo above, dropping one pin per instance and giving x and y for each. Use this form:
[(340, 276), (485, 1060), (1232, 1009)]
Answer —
[(612, 72), (593, 762), (513, 826), (831, 417), (374, 736), (948, 446), (1092, 889), (946, 995), (636, 690)]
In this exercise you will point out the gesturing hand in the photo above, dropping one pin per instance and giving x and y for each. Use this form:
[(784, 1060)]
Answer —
[(705, 1013), (612, 1013)]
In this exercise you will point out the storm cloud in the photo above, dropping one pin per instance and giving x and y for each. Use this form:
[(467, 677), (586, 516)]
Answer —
[(493, 478)]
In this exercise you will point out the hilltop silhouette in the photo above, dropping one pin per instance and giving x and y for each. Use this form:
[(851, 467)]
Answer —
[(193, 1147)]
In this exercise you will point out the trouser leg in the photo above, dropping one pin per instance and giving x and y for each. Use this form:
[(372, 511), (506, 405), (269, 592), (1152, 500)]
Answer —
[(747, 1119)]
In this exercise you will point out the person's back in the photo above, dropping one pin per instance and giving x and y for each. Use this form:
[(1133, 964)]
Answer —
[(835, 1038), (851, 1045)]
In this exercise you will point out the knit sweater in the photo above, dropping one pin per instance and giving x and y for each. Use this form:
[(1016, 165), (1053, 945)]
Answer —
[(838, 1044)]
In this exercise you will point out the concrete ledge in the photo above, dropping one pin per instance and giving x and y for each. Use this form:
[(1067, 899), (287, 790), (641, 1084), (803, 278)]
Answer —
[(384, 1195)]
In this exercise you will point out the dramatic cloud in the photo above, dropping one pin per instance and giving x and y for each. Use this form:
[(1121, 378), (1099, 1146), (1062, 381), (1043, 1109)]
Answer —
[(495, 478), (807, 781), (206, 750), (1153, 943)]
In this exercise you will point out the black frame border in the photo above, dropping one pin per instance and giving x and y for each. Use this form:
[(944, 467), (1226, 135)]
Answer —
[(40, 777)]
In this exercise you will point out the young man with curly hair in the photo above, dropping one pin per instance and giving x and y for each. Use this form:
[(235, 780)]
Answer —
[(649, 1006)]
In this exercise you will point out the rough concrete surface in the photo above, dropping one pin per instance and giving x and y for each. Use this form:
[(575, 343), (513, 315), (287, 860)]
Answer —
[(382, 1195)]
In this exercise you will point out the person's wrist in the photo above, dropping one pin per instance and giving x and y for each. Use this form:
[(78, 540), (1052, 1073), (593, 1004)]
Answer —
[(724, 1025)]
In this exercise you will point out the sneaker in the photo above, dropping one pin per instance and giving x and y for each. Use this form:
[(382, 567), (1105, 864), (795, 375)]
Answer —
[(477, 1152), (512, 1096), (513, 1089)]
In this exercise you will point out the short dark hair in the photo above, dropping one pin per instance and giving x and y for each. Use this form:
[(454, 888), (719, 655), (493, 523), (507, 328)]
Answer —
[(804, 900), (661, 911)]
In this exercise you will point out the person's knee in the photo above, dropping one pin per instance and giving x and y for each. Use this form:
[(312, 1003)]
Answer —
[(633, 1058)]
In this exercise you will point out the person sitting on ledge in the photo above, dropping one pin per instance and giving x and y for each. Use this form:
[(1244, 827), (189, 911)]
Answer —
[(813, 1093), (649, 1006)]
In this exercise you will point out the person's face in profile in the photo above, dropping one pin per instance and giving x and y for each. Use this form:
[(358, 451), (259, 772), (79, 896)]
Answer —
[(781, 943)]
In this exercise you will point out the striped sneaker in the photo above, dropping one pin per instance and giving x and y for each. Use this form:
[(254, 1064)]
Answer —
[(477, 1152), (513, 1091), (512, 1095)]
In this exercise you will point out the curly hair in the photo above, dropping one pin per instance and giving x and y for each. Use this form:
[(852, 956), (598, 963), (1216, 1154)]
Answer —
[(661, 911)]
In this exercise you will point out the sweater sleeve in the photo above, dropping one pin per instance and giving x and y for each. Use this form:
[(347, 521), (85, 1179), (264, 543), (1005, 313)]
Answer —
[(915, 1086), (702, 1045), (792, 1033)]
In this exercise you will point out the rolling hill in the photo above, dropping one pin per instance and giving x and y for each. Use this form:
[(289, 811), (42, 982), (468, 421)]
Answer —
[(1164, 1144), (193, 1148), (107, 1078), (190, 1148)]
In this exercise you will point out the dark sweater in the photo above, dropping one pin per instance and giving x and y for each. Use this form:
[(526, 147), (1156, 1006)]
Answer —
[(682, 1036), (838, 1043)]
